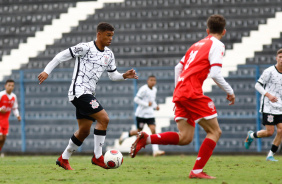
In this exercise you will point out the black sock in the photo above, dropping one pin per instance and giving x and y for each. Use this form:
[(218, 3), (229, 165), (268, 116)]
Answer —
[(76, 141), (256, 135), (274, 148)]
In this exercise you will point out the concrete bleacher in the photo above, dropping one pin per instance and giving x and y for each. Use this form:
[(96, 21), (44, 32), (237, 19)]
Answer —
[(148, 34)]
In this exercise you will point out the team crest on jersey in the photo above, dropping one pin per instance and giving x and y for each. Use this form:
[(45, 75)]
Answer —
[(77, 49), (211, 106), (94, 104), (270, 118), (106, 61)]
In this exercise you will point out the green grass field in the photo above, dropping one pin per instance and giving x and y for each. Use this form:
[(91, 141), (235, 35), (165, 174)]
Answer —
[(142, 169)]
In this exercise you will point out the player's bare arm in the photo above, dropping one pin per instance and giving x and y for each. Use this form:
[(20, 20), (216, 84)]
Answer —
[(272, 98), (130, 74), (42, 77)]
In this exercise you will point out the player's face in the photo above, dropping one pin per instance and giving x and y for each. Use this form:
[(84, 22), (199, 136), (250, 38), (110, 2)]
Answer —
[(9, 87), (106, 37), (152, 81), (279, 59)]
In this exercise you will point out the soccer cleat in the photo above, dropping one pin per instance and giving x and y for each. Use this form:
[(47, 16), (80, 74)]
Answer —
[(271, 158), (138, 144), (64, 163), (99, 162), (201, 175), (248, 140), (158, 153)]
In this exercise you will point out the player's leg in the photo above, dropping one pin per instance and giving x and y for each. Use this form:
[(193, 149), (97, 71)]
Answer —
[(155, 147), (268, 122), (2, 141), (75, 141), (100, 132), (213, 134), (275, 144), (125, 135), (183, 137), (269, 130)]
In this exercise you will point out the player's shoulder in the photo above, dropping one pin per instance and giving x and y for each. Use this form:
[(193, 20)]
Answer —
[(144, 87), (270, 69), (2, 93), (108, 51), (216, 41)]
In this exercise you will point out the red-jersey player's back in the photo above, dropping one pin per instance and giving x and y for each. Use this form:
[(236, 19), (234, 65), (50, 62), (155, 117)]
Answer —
[(8, 102), (196, 66)]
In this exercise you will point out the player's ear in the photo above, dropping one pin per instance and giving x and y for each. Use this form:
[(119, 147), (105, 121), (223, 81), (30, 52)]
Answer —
[(208, 31), (223, 32)]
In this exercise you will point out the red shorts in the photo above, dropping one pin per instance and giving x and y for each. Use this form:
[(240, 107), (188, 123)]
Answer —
[(193, 110), (4, 130)]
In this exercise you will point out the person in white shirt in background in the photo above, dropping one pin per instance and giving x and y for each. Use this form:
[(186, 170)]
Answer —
[(146, 100), (269, 85)]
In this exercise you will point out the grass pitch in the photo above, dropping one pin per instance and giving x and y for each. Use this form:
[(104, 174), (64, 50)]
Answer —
[(141, 169)]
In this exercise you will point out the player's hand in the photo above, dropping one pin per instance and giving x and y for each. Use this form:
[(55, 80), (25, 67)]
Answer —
[(130, 74), (3, 110), (150, 104), (272, 98), (19, 118), (157, 108), (42, 77), (231, 99)]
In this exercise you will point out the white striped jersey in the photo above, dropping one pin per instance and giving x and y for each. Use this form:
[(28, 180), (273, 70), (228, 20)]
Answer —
[(89, 65), (271, 80)]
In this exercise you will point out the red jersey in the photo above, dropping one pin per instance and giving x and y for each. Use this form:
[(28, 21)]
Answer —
[(7, 102), (197, 62)]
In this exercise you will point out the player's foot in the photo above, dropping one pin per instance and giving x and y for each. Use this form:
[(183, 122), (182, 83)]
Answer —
[(121, 139), (158, 153), (138, 144), (64, 163), (99, 162), (271, 158), (201, 175), (2, 155), (248, 140)]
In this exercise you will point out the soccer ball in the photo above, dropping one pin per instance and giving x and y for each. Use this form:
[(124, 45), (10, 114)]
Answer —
[(113, 158)]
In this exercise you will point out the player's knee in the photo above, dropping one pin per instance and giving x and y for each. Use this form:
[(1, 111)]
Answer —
[(184, 140), (269, 133), (279, 131)]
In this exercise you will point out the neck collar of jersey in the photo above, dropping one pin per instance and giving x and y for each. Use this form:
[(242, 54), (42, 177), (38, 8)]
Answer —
[(277, 69), (97, 47)]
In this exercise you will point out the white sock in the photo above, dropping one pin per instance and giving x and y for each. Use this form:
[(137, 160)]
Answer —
[(197, 171), (99, 139), (252, 135), (72, 147), (270, 154), (155, 147)]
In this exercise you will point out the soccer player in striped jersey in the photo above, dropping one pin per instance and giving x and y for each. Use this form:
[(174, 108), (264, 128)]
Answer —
[(191, 105), (91, 60), (146, 100), (8, 103), (269, 85)]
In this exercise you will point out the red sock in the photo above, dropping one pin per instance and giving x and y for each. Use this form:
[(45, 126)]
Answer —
[(205, 153), (165, 138)]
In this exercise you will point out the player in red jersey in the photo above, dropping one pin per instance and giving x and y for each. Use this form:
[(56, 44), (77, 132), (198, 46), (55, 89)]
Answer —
[(192, 106), (8, 102)]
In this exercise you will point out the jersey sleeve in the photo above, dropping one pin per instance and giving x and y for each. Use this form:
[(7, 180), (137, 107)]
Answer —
[(264, 78), (79, 50), (216, 54), (139, 97), (112, 63), (15, 107)]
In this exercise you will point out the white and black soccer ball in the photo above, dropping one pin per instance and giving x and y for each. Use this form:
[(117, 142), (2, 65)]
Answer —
[(113, 158)]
